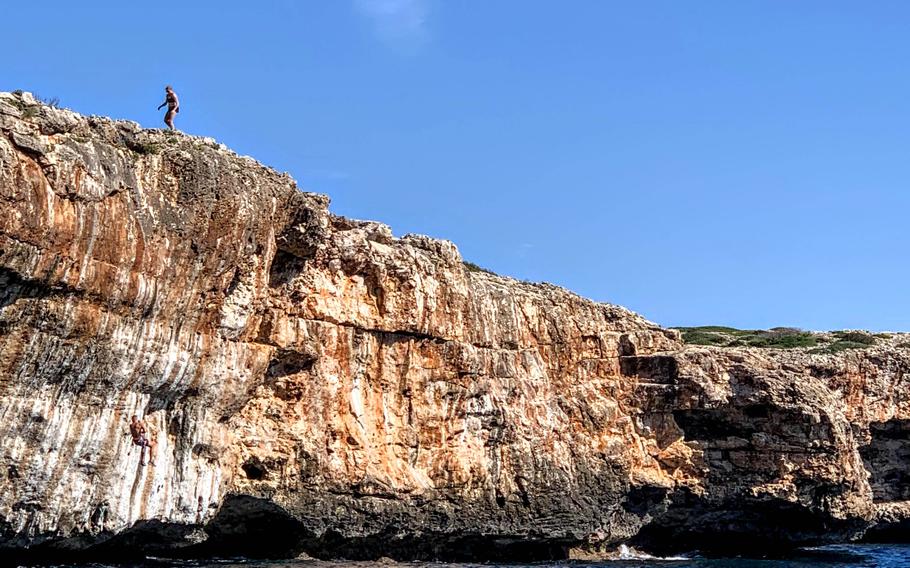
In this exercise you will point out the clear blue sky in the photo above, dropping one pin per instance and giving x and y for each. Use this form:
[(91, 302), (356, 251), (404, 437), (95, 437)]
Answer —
[(743, 163)]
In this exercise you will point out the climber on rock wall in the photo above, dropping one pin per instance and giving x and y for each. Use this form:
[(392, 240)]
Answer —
[(142, 439)]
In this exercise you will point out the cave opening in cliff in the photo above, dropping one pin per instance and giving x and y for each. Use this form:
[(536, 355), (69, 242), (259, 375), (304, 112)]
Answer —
[(259, 528), (255, 469), (255, 528), (285, 267), (13, 288), (887, 458)]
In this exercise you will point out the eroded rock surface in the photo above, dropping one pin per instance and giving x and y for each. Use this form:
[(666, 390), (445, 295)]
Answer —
[(317, 385)]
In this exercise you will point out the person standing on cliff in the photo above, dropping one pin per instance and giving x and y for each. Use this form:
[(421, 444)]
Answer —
[(142, 439), (173, 106)]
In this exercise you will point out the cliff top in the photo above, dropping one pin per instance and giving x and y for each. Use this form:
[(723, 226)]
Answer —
[(33, 123), (41, 129)]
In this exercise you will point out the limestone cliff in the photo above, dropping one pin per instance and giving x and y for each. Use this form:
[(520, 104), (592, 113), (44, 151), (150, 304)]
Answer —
[(317, 385)]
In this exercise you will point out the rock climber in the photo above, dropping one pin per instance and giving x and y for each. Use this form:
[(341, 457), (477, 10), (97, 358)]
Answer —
[(142, 439), (173, 106)]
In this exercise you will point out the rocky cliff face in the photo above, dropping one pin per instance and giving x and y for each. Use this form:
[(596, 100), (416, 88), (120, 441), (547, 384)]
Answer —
[(316, 385)]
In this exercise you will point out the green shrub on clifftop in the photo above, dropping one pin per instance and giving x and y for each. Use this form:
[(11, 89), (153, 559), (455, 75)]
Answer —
[(855, 337), (839, 346), (847, 340), (471, 267), (146, 148), (777, 338), (698, 336)]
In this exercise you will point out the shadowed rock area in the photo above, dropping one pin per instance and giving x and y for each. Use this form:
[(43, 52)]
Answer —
[(316, 385)]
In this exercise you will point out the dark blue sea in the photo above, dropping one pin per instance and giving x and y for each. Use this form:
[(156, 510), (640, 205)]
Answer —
[(836, 556)]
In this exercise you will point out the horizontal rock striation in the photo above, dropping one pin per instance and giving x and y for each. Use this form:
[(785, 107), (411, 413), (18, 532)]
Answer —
[(316, 385)]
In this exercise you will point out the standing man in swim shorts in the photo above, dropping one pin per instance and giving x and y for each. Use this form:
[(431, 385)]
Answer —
[(173, 106)]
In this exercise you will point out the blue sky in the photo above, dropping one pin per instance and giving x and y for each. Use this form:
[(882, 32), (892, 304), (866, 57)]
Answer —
[(741, 163)]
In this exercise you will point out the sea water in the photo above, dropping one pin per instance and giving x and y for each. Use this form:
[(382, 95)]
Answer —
[(835, 556)]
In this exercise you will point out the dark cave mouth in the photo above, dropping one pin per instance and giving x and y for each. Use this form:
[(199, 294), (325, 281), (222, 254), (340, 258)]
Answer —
[(256, 528), (887, 459)]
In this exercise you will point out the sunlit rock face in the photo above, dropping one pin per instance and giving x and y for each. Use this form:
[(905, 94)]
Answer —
[(316, 385)]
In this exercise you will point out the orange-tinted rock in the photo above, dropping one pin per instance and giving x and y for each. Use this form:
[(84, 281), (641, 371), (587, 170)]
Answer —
[(316, 385)]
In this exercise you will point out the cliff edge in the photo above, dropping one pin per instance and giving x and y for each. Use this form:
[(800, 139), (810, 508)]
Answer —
[(316, 385)]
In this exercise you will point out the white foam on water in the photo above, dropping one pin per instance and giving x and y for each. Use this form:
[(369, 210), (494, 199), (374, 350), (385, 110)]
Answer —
[(624, 552)]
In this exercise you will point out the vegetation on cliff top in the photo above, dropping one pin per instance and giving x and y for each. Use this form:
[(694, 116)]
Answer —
[(471, 267), (779, 338), (846, 340)]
